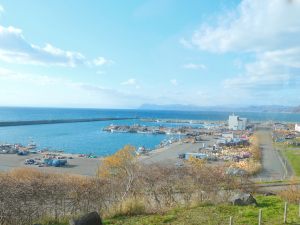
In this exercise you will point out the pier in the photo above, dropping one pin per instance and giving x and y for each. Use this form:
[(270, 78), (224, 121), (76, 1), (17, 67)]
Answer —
[(39, 122)]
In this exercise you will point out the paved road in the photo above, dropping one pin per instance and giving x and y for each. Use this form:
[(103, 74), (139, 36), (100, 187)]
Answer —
[(169, 154), (275, 187), (273, 166)]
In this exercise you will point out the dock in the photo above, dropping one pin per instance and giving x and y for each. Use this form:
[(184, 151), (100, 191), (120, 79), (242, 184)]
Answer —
[(56, 121)]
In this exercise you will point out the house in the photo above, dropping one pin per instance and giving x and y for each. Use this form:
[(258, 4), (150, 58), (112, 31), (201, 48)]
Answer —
[(237, 123), (297, 127), (229, 135)]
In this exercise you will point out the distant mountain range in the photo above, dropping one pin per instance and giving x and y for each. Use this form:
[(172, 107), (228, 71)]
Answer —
[(259, 108)]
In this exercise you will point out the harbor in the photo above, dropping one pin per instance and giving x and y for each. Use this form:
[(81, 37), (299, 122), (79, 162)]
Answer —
[(217, 142), (185, 130)]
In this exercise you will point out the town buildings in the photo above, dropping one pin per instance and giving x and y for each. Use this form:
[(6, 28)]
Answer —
[(237, 123)]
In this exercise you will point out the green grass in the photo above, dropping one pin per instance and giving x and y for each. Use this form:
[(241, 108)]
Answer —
[(273, 182), (272, 208), (293, 156)]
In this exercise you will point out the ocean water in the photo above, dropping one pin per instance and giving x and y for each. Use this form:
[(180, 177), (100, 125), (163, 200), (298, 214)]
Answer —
[(88, 137)]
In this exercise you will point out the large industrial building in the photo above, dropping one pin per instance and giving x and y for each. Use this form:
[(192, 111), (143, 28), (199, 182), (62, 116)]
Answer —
[(237, 123)]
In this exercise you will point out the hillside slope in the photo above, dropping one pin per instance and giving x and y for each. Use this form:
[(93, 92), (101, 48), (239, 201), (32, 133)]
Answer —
[(272, 208)]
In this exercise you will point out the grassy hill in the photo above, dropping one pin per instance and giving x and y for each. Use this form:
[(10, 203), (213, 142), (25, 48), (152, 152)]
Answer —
[(272, 208)]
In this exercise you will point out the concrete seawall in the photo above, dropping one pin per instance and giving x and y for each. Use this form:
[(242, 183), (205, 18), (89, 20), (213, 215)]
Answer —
[(39, 122)]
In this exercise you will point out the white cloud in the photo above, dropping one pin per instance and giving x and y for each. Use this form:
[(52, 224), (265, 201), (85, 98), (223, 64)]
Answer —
[(14, 48), (185, 43), (272, 70), (174, 82), (101, 72), (269, 32), (1, 9), (40, 80), (131, 82), (194, 66), (101, 61), (26, 89), (255, 25)]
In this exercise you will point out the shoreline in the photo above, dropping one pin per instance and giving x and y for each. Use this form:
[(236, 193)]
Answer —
[(88, 166)]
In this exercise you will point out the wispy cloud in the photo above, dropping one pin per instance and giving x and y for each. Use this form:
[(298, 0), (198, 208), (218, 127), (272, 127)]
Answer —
[(65, 92), (131, 82), (40, 80), (1, 9), (185, 43), (174, 82), (254, 26), (277, 69), (101, 72), (14, 48), (101, 61), (268, 31), (194, 66)]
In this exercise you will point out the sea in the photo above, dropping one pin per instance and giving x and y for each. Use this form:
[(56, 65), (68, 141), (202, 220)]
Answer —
[(89, 137)]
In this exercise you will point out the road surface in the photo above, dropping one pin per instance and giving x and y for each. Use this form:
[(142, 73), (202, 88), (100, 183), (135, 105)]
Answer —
[(272, 163), (169, 155)]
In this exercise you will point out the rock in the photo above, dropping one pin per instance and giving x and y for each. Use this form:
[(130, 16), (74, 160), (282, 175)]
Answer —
[(269, 194), (243, 199), (236, 172), (92, 218)]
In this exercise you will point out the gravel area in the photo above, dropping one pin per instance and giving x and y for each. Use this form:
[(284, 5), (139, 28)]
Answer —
[(77, 165)]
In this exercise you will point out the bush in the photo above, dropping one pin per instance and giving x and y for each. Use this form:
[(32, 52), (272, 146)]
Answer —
[(292, 193), (129, 207)]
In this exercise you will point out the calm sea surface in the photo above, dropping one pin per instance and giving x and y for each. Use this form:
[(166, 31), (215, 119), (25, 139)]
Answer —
[(89, 138)]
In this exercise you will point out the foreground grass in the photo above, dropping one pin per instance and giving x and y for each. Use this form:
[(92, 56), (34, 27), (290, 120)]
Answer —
[(293, 156), (214, 215), (272, 208)]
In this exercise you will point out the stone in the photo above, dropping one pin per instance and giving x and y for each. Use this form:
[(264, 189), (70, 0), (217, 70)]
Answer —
[(269, 194), (243, 199), (92, 218)]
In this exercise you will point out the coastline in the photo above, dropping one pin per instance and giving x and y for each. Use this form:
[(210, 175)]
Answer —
[(88, 166)]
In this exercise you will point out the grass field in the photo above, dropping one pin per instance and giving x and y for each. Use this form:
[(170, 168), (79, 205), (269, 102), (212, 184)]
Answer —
[(272, 208), (293, 156), (212, 215)]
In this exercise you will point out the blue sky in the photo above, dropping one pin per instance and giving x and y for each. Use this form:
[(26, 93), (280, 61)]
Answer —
[(110, 54)]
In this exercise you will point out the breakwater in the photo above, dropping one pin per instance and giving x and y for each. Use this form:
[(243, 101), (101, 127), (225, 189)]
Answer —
[(56, 121)]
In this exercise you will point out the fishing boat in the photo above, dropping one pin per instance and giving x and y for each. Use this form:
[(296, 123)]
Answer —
[(31, 145), (141, 150)]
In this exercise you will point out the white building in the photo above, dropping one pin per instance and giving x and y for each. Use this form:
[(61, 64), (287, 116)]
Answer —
[(297, 127), (237, 123)]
